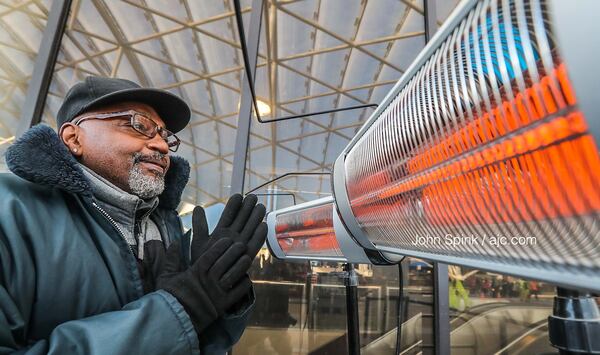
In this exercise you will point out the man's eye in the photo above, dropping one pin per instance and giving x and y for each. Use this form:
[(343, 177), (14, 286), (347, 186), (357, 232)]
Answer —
[(139, 126)]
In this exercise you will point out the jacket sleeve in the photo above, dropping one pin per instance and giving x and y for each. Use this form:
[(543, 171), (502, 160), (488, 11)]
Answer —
[(153, 324)]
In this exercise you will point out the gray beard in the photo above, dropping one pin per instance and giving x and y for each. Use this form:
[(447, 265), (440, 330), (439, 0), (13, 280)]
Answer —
[(142, 185)]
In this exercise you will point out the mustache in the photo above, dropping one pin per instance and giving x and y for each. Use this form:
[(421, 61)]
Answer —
[(156, 157)]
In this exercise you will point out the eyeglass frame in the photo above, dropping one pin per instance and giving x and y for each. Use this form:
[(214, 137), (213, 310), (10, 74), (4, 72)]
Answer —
[(131, 114)]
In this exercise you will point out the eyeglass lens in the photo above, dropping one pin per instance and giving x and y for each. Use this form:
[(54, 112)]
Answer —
[(149, 128)]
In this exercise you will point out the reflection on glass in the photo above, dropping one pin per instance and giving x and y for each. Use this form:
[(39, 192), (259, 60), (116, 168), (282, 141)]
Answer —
[(493, 313), (307, 232), (301, 308), (21, 29)]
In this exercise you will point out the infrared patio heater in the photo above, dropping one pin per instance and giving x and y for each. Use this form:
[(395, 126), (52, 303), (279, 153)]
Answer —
[(484, 154)]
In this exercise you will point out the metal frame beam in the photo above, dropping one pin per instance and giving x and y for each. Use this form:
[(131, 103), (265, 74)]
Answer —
[(332, 93), (167, 54), (121, 39), (184, 25), (340, 47), (238, 173), (430, 15), (343, 77), (35, 98), (211, 98), (23, 43), (271, 42), (338, 37)]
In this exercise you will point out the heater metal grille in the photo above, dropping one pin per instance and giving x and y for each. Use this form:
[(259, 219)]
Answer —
[(484, 142), (308, 232)]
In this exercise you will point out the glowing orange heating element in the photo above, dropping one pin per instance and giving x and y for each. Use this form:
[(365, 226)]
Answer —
[(307, 232), (527, 159)]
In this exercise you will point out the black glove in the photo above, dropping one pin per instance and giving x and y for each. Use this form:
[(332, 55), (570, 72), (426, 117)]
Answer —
[(214, 283), (241, 221)]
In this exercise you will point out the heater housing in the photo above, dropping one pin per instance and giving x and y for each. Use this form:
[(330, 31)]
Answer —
[(484, 154)]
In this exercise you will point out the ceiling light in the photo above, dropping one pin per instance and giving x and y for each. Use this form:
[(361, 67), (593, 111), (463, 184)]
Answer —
[(263, 108)]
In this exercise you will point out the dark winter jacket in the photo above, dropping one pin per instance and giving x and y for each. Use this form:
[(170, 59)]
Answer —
[(69, 283)]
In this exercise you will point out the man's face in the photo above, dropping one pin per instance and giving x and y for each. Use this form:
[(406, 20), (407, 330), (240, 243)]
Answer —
[(113, 149)]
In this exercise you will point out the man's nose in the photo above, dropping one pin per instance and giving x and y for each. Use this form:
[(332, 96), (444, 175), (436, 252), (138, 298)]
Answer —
[(158, 144)]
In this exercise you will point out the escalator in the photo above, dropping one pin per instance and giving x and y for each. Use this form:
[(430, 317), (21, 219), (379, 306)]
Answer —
[(386, 344), (534, 341), (492, 328)]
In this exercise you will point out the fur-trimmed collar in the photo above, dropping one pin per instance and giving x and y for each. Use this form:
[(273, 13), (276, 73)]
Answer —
[(40, 157)]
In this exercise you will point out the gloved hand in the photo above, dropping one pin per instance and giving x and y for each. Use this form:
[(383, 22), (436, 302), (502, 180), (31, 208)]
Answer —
[(241, 221), (216, 280)]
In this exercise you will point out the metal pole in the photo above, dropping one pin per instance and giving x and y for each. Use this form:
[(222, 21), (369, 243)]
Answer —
[(238, 173), (352, 310), (400, 307), (441, 309), (430, 19), (33, 108)]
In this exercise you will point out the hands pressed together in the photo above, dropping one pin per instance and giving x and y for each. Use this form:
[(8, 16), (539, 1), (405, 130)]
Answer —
[(217, 278)]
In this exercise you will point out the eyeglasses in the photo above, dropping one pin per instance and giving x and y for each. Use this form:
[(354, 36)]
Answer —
[(141, 124)]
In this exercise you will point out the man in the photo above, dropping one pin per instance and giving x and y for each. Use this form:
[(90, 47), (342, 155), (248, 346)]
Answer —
[(85, 222)]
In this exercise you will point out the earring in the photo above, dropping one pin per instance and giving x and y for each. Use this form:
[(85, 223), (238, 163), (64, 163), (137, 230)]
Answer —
[(75, 150)]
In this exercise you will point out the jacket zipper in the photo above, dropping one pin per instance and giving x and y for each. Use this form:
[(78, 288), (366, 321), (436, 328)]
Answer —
[(136, 236), (112, 221)]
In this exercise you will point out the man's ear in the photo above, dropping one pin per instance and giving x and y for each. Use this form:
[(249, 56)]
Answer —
[(69, 134)]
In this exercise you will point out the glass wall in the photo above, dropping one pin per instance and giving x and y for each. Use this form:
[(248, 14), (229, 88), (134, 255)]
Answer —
[(416, 307), (21, 28), (301, 308)]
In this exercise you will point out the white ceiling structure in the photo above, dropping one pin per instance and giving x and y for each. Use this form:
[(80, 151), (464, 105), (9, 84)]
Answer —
[(314, 55)]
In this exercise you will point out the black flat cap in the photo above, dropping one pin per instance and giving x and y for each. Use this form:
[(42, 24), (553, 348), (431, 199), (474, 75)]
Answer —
[(95, 92)]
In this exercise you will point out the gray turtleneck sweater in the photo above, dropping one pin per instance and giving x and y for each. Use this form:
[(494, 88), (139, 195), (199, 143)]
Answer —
[(130, 212)]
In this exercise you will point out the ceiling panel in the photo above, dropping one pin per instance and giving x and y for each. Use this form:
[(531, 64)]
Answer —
[(21, 27)]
